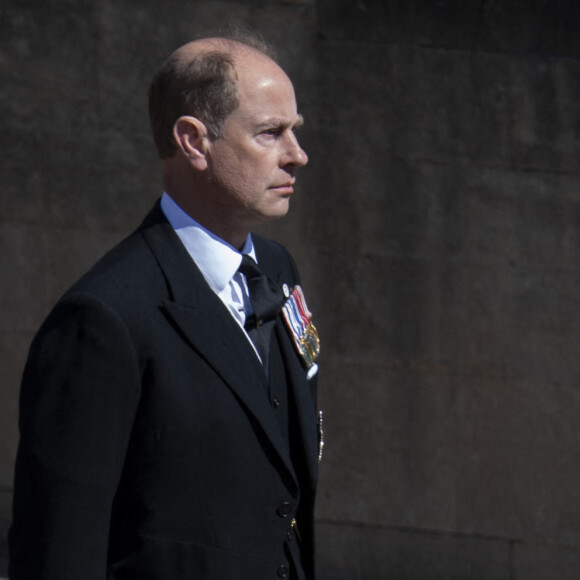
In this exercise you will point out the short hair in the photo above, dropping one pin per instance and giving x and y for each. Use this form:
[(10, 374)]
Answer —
[(204, 87)]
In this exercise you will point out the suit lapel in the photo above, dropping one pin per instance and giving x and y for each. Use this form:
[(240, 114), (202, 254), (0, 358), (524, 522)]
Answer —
[(210, 328)]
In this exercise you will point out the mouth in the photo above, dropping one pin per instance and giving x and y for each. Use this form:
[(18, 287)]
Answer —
[(285, 188)]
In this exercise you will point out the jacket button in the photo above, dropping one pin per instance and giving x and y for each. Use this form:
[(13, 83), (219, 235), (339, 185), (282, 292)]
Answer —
[(275, 402), (283, 571), (284, 509)]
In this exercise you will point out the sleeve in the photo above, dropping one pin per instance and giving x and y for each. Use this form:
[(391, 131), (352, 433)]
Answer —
[(79, 396)]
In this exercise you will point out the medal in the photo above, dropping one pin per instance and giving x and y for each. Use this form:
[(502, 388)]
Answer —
[(303, 332)]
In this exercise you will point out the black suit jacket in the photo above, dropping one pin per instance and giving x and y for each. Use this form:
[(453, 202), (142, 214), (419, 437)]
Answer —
[(149, 448)]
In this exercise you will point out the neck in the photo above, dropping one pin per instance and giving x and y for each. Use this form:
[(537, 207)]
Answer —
[(194, 204)]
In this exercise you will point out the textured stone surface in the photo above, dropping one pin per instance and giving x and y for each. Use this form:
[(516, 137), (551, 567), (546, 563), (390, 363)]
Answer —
[(447, 22), (456, 270), (537, 562), (349, 552), (23, 278), (424, 450), (450, 107), (546, 27), (446, 236)]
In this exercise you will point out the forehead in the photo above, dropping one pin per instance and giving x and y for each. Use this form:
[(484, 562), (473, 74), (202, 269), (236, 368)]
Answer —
[(264, 89)]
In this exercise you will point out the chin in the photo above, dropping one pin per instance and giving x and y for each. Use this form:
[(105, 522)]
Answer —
[(277, 210), (281, 212)]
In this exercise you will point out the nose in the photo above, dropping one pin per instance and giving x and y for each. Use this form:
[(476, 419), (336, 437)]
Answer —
[(295, 155), (302, 157)]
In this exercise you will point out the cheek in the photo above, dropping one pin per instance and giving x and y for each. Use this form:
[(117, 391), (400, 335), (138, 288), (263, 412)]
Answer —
[(228, 171), (249, 173), (243, 173)]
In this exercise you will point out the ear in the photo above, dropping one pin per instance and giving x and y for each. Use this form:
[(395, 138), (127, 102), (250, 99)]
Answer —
[(192, 139)]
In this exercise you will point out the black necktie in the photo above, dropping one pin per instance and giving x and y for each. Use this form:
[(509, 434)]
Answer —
[(267, 299)]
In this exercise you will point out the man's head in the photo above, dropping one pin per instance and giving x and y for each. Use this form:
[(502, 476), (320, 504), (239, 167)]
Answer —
[(224, 115), (198, 79)]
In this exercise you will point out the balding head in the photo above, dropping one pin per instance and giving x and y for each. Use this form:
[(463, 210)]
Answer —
[(198, 79)]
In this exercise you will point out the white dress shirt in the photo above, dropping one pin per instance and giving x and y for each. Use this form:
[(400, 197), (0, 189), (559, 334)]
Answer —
[(217, 260)]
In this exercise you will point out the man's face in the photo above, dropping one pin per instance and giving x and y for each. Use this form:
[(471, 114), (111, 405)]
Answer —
[(251, 167)]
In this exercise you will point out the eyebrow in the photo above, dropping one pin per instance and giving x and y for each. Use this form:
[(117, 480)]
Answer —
[(279, 122)]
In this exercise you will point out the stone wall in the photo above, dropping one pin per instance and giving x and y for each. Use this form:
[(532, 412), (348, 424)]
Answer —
[(437, 228)]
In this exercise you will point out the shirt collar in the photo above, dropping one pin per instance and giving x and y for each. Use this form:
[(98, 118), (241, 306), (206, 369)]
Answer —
[(217, 260)]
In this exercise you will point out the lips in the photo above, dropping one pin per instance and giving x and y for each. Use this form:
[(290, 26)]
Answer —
[(284, 188), (289, 185)]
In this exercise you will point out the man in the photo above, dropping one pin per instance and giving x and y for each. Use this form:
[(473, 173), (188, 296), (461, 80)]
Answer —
[(168, 406)]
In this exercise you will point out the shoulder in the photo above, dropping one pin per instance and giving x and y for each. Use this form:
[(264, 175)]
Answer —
[(122, 273), (128, 277)]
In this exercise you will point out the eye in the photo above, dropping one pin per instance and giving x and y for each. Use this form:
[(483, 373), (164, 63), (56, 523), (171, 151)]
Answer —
[(272, 131)]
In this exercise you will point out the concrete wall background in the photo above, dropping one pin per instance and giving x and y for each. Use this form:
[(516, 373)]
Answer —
[(437, 229)]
